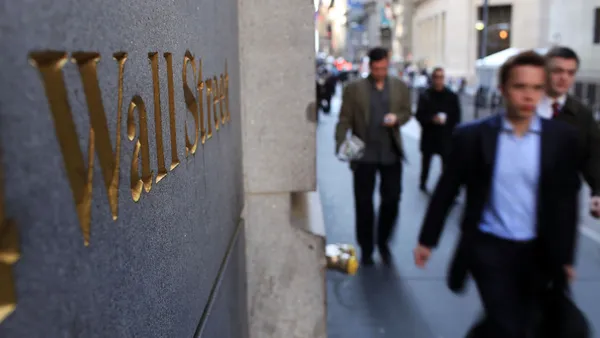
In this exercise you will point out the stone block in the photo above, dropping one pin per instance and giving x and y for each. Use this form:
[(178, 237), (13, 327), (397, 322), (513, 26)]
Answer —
[(277, 84), (286, 270)]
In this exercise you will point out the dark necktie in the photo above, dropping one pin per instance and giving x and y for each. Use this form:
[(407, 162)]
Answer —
[(555, 109)]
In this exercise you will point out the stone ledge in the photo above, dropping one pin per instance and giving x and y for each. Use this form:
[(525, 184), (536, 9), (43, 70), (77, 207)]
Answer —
[(285, 267)]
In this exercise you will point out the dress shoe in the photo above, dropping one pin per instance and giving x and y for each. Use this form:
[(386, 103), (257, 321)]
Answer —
[(386, 255), (367, 260)]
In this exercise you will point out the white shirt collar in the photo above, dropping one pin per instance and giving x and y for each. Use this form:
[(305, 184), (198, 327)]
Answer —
[(535, 126), (549, 101), (544, 108)]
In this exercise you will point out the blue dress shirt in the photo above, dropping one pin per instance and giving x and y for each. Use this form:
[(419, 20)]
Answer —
[(511, 211)]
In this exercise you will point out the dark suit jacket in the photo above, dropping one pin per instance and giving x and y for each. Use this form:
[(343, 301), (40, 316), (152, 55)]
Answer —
[(436, 138), (581, 117), (354, 114), (471, 164)]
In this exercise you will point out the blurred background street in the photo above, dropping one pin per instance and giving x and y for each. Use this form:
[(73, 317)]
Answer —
[(470, 40)]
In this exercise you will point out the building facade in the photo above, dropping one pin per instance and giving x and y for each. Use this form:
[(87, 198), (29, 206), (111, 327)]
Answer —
[(576, 23), (379, 23), (403, 29), (445, 32), (330, 24)]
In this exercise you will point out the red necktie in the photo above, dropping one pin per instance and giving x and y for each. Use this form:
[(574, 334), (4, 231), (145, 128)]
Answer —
[(555, 109)]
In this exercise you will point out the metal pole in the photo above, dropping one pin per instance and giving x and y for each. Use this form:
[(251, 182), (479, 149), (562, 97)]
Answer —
[(483, 47), (484, 32)]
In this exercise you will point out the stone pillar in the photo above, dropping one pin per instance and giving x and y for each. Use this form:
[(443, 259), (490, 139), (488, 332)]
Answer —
[(285, 237), (373, 32), (407, 27), (436, 40)]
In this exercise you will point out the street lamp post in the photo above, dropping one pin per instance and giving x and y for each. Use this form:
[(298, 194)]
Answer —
[(483, 48), (484, 32)]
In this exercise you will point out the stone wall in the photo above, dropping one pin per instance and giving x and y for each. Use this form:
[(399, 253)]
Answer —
[(285, 241), (172, 262)]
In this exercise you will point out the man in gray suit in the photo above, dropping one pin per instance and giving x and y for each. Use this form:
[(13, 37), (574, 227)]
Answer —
[(373, 109)]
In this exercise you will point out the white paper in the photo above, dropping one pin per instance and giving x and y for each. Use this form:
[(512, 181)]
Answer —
[(352, 149), (442, 117)]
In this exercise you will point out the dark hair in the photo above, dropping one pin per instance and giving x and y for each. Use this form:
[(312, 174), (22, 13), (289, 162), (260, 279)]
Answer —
[(377, 54), (562, 52), (527, 58), (437, 69)]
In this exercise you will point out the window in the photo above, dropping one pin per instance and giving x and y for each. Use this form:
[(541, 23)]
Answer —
[(499, 20), (597, 26)]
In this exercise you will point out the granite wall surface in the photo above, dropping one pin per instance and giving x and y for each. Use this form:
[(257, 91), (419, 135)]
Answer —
[(172, 263)]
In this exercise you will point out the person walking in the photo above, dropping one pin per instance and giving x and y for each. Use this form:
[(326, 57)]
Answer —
[(438, 112), (519, 226), (373, 109), (562, 66)]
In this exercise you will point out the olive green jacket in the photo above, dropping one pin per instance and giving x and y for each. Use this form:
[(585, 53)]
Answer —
[(354, 114)]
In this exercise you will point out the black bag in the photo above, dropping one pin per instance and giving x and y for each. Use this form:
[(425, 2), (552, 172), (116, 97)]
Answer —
[(477, 330), (559, 316), (458, 270)]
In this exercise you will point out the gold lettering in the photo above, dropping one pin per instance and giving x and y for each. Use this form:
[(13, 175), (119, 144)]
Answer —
[(222, 97), (191, 104), (8, 294), (141, 145), (200, 88), (80, 172), (160, 151), (227, 111), (209, 103), (216, 100), (172, 125), (80, 168), (9, 255)]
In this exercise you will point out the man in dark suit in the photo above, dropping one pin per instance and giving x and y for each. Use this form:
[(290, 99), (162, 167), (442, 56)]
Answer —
[(519, 225), (562, 66), (438, 112), (373, 109)]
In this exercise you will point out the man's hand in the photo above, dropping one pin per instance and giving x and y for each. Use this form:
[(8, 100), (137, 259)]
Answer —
[(595, 206), (422, 254), (390, 120), (570, 272), (437, 119)]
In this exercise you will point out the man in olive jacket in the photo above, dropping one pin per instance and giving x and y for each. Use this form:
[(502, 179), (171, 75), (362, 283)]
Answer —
[(373, 109)]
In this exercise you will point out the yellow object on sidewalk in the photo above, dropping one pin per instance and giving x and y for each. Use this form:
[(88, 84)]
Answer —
[(341, 257)]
